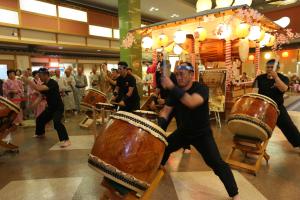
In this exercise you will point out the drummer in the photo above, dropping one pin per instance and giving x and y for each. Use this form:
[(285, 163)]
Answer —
[(54, 110), (126, 93), (189, 101), (273, 84)]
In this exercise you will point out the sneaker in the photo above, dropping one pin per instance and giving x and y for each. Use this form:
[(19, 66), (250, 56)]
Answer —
[(65, 144), (187, 151), (39, 136)]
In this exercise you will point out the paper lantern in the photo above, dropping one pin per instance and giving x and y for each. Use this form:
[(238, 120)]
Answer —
[(254, 33), (242, 2), (283, 21), (203, 5), (243, 49), (271, 41), (147, 42), (266, 40), (163, 40), (223, 31), (179, 37), (242, 30), (223, 3), (201, 33), (251, 57), (262, 35), (177, 49), (285, 54)]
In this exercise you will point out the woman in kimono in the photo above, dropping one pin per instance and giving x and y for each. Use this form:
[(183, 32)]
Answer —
[(39, 106), (14, 91), (69, 100)]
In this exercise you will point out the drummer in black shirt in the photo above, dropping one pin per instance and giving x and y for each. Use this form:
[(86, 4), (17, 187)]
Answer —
[(126, 93), (54, 110), (189, 102), (273, 84)]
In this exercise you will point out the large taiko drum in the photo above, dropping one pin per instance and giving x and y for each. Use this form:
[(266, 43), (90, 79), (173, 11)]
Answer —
[(93, 97), (253, 115), (8, 113), (129, 150)]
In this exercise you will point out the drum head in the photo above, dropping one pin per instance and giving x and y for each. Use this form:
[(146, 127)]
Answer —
[(10, 104), (97, 91), (242, 127)]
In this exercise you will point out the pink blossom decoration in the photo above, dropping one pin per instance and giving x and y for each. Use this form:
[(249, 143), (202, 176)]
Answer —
[(128, 41)]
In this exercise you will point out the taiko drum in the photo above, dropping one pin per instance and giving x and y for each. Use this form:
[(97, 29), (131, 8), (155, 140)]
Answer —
[(92, 97), (253, 115), (129, 150), (8, 113)]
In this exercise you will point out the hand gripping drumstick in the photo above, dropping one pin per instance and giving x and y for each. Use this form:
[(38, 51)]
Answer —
[(276, 63)]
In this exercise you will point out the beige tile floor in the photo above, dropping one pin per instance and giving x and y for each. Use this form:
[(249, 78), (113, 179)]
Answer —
[(41, 168)]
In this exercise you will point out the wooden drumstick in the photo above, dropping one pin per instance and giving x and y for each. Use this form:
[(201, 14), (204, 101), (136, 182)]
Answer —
[(276, 64)]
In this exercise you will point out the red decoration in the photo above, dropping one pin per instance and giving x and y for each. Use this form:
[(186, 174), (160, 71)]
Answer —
[(257, 59), (228, 64)]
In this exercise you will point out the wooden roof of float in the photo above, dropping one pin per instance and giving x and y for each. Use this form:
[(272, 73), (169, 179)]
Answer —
[(266, 22)]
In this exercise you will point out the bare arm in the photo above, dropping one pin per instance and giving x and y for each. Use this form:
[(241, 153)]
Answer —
[(130, 91), (36, 87), (280, 85), (192, 100), (165, 112)]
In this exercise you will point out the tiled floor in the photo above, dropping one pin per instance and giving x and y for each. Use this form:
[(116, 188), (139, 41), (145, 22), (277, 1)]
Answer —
[(41, 171)]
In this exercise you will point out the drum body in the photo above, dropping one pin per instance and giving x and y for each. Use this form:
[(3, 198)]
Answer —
[(129, 150), (92, 97), (253, 115), (8, 113)]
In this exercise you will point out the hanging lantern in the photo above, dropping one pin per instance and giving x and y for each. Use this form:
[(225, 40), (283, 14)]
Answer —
[(223, 3), (267, 56), (242, 30), (242, 2), (223, 31), (271, 41), (177, 49), (254, 33), (251, 57), (179, 37), (262, 35), (266, 40), (147, 42), (203, 5), (243, 49), (163, 40), (201, 34)]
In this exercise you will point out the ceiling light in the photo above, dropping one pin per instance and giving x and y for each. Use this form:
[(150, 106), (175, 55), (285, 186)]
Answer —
[(285, 54), (60, 47), (98, 50), (179, 37), (223, 3), (153, 9), (283, 22), (267, 56), (254, 33), (174, 15), (147, 42), (38, 7), (177, 49), (9, 16), (73, 14)]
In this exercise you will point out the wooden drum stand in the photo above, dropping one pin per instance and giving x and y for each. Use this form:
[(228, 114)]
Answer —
[(7, 145)]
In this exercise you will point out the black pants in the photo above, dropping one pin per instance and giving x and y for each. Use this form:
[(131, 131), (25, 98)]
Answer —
[(206, 146), (288, 128), (56, 116)]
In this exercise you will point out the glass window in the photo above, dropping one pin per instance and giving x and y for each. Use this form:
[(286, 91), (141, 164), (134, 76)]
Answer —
[(3, 71), (73, 14), (38, 7), (100, 31), (9, 17)]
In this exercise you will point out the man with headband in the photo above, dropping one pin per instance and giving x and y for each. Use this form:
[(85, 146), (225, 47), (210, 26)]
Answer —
[(273, 84), (54, 110), (189, 102)]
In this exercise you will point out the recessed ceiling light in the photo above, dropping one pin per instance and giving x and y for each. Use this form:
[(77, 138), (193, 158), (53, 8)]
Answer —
[(153, 9), (98, 50), (174, 15), (60, 47)]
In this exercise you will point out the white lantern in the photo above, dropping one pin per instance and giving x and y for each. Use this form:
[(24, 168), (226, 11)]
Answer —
[(202, 33), (147, 42), (283, 21), (266, 40), (244, 49), (254, 33), (177, 49), (242, 2), (223, 31), (223, 3), (203, 5), (179, 37)]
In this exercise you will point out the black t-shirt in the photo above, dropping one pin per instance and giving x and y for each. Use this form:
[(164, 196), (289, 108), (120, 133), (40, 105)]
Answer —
[(266, 87), (52, 95), (163, 92), (124, 83), (193, 121)]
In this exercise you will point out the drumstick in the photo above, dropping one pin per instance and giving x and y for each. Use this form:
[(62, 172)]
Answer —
[(276, 63)]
